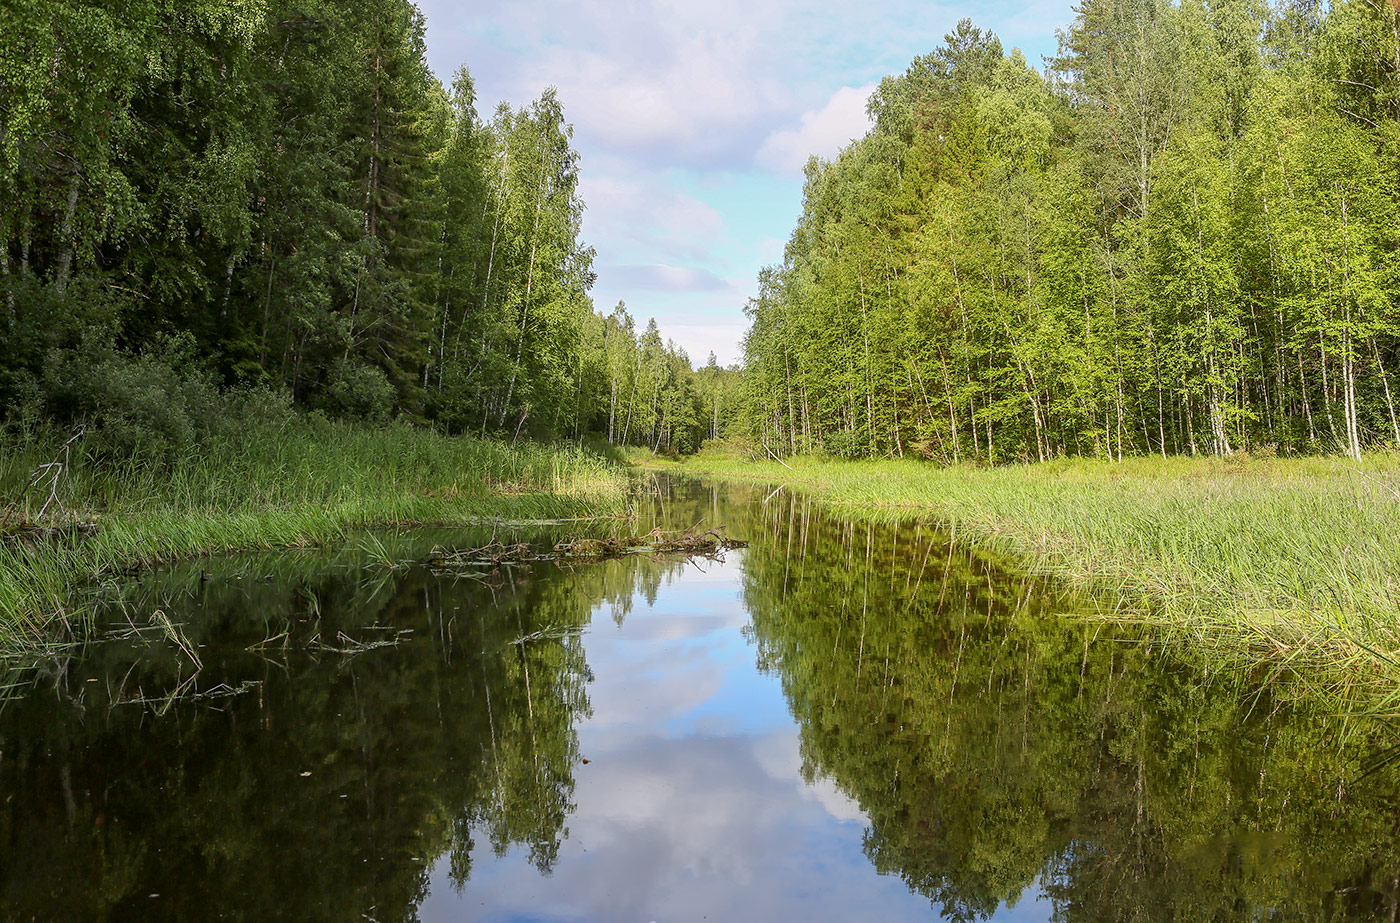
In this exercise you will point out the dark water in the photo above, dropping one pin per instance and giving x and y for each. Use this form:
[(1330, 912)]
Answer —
[(844, 721)]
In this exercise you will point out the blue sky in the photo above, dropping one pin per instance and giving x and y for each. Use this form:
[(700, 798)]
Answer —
[(693, 121)]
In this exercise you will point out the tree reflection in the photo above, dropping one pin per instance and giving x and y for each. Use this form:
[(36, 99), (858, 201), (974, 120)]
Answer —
[(307, 770), (996, 745), (326, 788)]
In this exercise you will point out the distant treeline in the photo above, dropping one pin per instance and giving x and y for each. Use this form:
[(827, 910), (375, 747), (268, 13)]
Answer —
[(280, 194), (1182, 238)]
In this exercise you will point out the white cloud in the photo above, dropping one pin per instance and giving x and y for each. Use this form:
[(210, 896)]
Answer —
[(724, 339), (659, 81), (661, 278), (672, 99), (650, 213), (822, 132)]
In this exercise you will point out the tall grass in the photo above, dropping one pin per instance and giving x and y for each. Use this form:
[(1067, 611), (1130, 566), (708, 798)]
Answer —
[(1295, 562), (297, 482)]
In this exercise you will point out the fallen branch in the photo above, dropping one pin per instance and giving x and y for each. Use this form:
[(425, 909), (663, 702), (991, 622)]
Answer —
[(50, 475), (657, 541)]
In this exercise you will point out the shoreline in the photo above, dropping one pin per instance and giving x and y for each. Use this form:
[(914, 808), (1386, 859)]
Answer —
[(318, 487), (1292, 564)]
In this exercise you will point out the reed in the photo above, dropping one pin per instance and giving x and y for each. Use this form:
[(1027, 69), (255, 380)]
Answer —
[(294, 484), (1292, 563)]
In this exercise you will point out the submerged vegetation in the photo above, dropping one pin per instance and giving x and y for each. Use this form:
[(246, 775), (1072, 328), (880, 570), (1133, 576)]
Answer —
[(1291, 562)]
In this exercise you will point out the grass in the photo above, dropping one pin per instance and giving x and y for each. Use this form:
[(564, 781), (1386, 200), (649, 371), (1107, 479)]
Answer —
[(1293, 562), (296, 483)]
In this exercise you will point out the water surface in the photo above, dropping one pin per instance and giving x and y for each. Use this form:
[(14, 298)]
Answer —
[(846, 720)]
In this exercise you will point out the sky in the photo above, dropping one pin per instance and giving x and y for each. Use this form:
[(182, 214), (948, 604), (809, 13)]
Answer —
[(693, 121)]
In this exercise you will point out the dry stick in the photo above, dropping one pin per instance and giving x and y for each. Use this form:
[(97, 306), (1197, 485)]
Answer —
[(54, 470)]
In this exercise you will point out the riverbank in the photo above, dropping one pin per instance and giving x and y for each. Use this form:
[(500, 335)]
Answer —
[(306, 482), (1293, 562)]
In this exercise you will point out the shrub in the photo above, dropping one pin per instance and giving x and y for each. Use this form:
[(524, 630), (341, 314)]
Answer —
[(151, 405), (358, 391)]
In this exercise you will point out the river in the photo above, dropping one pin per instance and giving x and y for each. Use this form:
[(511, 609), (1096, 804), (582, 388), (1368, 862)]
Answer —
[(845, 720)]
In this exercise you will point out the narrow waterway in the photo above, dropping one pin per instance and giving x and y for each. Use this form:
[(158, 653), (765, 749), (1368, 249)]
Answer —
[(844, 721)]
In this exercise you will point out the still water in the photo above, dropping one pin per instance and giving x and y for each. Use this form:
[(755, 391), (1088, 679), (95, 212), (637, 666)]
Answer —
[(844, 721)]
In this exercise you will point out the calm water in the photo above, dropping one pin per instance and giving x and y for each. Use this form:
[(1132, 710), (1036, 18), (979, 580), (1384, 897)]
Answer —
[(844, 721)]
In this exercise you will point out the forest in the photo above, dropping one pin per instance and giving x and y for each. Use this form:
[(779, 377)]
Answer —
[(279, 198), (1180, 238)]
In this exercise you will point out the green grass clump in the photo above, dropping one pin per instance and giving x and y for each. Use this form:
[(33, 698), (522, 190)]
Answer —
[(1296, 561), (300, 481)]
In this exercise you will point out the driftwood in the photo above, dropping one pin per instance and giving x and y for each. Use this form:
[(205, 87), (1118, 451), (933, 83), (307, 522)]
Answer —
[(709, 543)]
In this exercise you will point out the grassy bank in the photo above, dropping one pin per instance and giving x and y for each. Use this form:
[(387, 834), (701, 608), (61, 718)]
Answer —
[(1295, 560), (298, 482)]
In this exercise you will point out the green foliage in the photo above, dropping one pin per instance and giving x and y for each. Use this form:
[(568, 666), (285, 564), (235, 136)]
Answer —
[(359, 392), (149, 407), (1180, 240), (1287, 562), (346, 741), (997, 744), (258, 474), (286, 186)]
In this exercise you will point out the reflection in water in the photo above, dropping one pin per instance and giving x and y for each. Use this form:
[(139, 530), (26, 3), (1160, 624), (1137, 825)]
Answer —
[(995, 746), (307, 737), (303, 772)]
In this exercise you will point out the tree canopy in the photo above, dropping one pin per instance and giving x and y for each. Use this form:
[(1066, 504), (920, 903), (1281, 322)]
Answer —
[(1180, 238), (281, 194)]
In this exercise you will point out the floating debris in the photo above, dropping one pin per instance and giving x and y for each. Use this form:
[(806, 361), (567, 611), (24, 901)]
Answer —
[(486, 556), (344, 644), (548, 633), (709, 543), (187, 694)]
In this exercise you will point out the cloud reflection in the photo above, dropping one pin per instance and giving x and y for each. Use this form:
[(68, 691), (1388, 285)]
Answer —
[(692, 804), (679, 829)]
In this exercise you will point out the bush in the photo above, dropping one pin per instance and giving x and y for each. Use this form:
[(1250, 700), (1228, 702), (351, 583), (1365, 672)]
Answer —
[(358, 391), (40, 321), (151, 405)]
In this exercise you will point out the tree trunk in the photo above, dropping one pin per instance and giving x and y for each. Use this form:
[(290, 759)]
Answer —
[(65, 256)]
